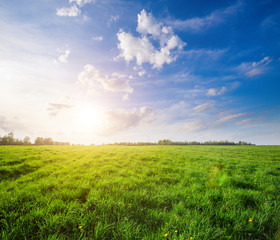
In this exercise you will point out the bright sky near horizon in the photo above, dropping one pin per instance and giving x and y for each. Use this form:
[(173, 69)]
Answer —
[(103, 71)]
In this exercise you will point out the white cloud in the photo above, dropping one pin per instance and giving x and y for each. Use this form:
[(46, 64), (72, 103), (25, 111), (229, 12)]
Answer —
[(223, 113), (93, 77), (73, 11), (216, 92), (63, 58), (264, 61), (195, 126), (203, 107), (248, 121), (231, 117), (118, 120), (125, 97), (142, 48), (198, 24), (140, 70), (254, 72), (212, 123), (81, 3), (98, 38), (113, 19), (54, 108), (147, 24), (212, 92), (251, 69), (141, 73), (164, 55), (86, 18)]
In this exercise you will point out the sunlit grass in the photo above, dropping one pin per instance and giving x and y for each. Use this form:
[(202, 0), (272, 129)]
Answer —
[(156, 192)]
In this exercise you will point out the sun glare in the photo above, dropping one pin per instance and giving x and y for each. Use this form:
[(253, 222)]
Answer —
[(89, 118)]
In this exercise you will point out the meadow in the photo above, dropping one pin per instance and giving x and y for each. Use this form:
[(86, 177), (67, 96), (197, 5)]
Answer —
[(140, 192)]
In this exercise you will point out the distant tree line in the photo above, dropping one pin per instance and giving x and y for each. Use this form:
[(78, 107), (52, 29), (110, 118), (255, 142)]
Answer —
[(223, 142), (10, 140), (169, 142), (132, 143), (48, 141)]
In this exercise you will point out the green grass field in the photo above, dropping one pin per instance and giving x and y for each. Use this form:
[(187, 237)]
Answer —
[(155, 192)]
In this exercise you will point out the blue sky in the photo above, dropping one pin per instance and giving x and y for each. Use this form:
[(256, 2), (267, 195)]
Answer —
[(100, 71)]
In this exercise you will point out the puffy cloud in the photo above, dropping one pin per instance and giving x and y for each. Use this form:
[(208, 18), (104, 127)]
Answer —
[(93, 77), (133, 47), (198, 24), (147, 24), (142, 49), (215, 92), (212, 92), (203, 107), (72, 11), (119, 120), (63, 58), (141, 73), (140, 70), (164, 55), (55, 108)]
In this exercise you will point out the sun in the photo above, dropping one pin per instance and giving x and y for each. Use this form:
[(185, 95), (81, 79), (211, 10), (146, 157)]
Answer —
[(89, 117)]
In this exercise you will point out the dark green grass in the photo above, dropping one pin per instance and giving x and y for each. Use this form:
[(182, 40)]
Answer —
[(155, 192)]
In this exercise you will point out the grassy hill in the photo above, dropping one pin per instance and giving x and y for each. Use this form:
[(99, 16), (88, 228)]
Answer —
[(147, 192)]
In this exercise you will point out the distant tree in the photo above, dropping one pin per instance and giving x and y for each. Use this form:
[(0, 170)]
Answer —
[(17, 142), (27, 140), (48, 141), (39, 141), (164, 142), (4, 140), (10, 138), (169, 142)]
